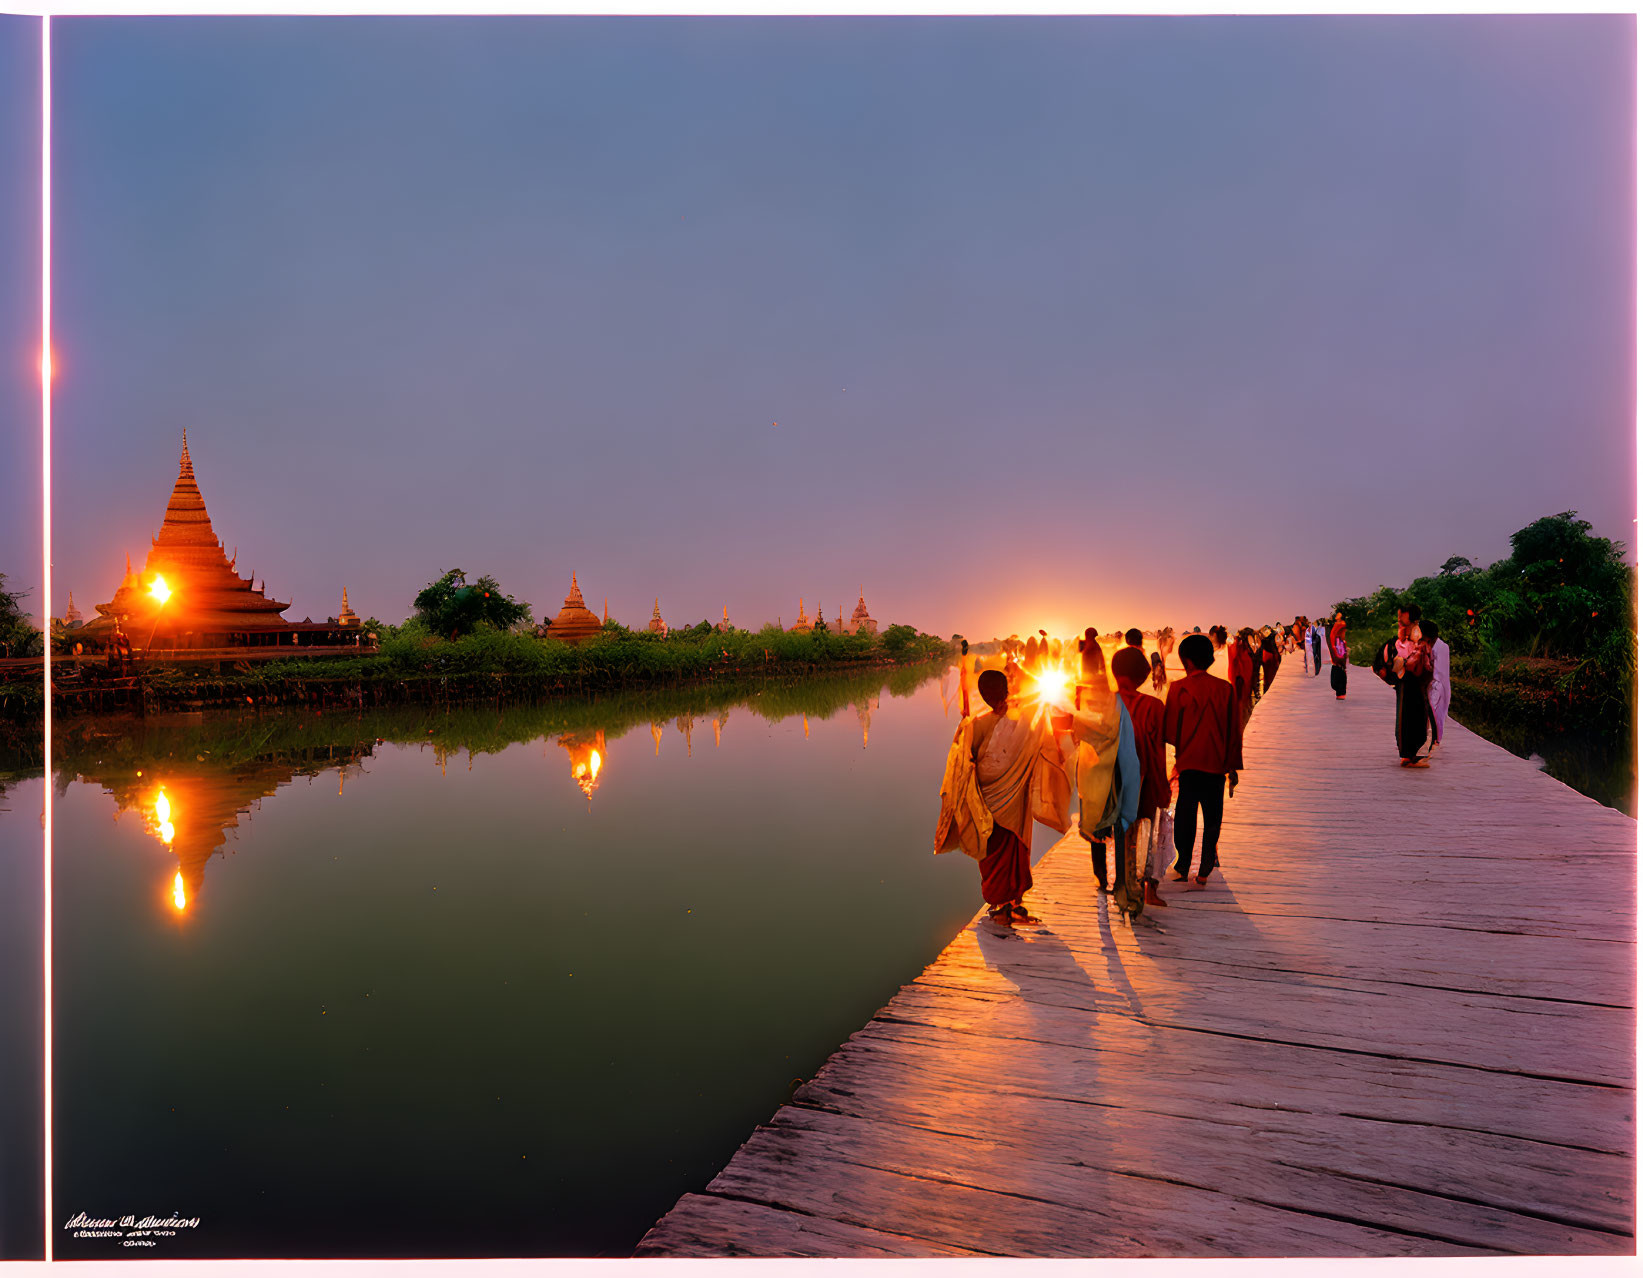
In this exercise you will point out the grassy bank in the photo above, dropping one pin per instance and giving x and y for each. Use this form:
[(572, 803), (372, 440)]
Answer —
[(413, 666)]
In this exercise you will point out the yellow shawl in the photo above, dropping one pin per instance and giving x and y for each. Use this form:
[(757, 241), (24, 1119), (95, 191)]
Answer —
[(1034, 787), (1095, 724)]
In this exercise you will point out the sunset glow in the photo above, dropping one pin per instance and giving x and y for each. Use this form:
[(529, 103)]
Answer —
[(1052, 687), (178, 897), (162, 818), (159, 589), (586, 772)]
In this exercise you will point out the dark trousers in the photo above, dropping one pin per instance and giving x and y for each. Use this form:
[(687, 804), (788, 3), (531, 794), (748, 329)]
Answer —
[(1198, 790), (1337, 679)]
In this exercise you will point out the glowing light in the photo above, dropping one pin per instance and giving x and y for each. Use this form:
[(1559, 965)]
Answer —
[(159, 589), (1052, 687), (179, 898), (586, 773), (162, 818), (48, 366)]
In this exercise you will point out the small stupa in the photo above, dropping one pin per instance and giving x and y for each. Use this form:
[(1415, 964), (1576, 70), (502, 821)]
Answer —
[(657, 625), (724, 625), (347, 617), (575, 621), (802, 625), (860, 622), (71, 614)]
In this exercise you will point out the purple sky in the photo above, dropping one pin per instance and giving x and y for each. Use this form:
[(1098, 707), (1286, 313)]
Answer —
[(1064, 322), (20, 307)]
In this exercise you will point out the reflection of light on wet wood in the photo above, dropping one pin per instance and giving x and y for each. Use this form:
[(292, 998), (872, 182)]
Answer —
[(1400, 1022)]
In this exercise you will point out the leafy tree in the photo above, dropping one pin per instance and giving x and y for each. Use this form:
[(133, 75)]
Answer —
[(898, 638), (17, 637), (1455, 564), (451, 607)]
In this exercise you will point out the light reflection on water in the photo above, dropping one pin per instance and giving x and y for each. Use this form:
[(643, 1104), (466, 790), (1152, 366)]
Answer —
[(513, 984)]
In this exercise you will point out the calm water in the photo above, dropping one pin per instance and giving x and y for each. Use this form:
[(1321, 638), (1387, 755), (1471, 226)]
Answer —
[(463, 991)]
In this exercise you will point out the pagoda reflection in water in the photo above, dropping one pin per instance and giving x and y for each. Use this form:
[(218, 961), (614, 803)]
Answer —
[(191, 807), (191, 779)]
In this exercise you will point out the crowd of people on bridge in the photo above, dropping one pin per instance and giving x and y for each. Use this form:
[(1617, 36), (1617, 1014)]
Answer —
[(1058, 717)]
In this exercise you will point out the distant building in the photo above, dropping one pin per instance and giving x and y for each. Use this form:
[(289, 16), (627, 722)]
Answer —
[(657, 625), (860, 622), (71, 619), (347, 617), (802, 626), (575, 621), (724, 626)]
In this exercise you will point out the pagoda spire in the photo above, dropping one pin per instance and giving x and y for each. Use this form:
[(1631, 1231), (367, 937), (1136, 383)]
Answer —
[(607, 608), (187, 525)]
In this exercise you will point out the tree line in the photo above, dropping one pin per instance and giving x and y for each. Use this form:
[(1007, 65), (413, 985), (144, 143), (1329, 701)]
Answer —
[(1559, 612)]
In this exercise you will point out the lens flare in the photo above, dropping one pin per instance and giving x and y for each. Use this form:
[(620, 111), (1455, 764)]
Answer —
[(1052, 687), (159, 589), (179, 898)]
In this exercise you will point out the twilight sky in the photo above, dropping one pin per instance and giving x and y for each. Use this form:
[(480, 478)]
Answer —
[(20, 308), (1015, 322)]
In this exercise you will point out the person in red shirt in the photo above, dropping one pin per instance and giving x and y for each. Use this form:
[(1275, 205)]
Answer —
[(1129, 668), (1337, 657), (1203, 723), (1241, 673)]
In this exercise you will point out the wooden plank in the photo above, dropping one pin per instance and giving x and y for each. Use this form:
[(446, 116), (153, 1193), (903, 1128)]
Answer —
[(1399, 1021), (702, 1226)]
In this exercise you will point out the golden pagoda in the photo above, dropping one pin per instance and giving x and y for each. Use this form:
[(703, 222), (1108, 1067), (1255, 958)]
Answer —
[(575, 621), (724, 625), (860, 622), (209, 604), (802, 626), (657, 625), (71, 614), (347, 617)]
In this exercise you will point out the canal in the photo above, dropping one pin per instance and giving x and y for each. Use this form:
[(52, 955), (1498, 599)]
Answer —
[(477, 982)]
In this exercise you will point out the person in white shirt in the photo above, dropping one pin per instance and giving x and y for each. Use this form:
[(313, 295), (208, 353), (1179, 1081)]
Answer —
[(1437, 692)]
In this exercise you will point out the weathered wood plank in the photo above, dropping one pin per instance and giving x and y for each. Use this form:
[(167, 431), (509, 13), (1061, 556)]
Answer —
[(703, 1226), (1400, 1021)]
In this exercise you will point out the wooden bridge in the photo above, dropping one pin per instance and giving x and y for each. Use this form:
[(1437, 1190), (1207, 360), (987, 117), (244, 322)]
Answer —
[(1400, 1021)]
